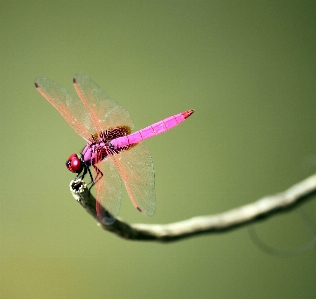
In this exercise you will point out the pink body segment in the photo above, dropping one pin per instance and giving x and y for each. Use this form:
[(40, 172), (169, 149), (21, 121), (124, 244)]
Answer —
[(152, 130)]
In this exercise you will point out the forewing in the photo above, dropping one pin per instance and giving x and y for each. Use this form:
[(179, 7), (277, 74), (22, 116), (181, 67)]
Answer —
[(136, 169), (104, 112), (109, 192), (68, 105)]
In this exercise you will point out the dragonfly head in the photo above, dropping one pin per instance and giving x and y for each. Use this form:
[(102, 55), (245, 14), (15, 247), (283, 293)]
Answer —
[(74, 164)]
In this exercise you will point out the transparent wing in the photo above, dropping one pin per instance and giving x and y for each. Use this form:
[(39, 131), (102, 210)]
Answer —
[(136, 169), (109, 192), (68, 105), (104, 112)]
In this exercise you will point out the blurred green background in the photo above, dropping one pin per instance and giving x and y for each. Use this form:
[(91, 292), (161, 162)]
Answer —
[(249, 70)]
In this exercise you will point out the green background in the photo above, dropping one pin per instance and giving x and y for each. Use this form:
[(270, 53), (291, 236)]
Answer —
[(249, 70)]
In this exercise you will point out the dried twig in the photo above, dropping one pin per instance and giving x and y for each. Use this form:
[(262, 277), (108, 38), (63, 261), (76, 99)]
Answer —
[(229, 220)]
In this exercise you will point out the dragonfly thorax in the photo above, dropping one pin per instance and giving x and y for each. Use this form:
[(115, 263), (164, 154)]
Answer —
[(110, 134), (98, 148)]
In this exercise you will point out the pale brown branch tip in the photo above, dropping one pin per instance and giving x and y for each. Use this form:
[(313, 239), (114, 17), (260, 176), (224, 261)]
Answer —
[(262, 208)]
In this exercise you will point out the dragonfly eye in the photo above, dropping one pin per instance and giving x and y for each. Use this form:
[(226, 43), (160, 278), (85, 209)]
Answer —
[(74, 164)]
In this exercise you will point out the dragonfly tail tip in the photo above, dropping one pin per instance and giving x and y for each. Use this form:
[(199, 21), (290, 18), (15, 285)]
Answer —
[(187, 113)]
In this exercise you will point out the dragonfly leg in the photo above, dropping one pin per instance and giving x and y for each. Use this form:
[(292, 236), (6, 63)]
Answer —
[(84, 172), (97, 177), (99, 174), (91, 177)]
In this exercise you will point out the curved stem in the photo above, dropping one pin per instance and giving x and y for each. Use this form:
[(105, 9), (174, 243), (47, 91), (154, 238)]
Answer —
[(250, 213)]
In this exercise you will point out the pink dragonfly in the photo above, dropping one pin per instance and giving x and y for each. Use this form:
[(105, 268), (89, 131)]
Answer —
[(112, 150)]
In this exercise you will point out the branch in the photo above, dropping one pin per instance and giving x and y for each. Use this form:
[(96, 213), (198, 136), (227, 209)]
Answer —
[(232, 219)]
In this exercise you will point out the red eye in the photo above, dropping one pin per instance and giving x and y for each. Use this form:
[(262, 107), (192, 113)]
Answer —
[(74, 164)]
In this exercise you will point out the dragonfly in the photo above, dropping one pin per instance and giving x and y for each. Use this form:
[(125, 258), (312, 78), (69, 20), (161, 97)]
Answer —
[(112, 151)]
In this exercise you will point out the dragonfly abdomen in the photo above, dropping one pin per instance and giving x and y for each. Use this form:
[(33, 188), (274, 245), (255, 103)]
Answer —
[(150, 131)]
